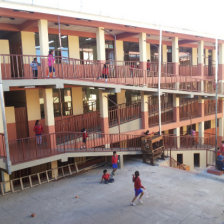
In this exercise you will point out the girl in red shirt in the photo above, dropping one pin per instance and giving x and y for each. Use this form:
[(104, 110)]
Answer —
[(105, 72), (38, 129), (138, 188)]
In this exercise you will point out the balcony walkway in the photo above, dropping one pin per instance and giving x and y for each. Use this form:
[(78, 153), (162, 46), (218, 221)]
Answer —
[(89, 73)]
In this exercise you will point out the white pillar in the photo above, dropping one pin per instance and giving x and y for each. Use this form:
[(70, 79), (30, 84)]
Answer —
[(142, 47), (100, 43), (206, 56), (121, 161), (77, 100), (148, 51), (164, 53), (175, 57), (201, 129), (54, 167), (201, 52), (175, 50), (194, 56), (43, 36), (104, 111), (49, 110), (201, 62), (144, 110), (214, 57), (73, 47), (119, 51), (177, 133), (221, 126)]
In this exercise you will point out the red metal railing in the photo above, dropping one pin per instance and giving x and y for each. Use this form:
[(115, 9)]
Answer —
[(27, 149), (187, 142), (209, 107), (126, 73), (189, 110), (90, 121), (126, 113), (166, 113)]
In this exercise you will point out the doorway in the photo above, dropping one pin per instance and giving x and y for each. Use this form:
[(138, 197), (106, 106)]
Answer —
[(196, 160), (180, 158)]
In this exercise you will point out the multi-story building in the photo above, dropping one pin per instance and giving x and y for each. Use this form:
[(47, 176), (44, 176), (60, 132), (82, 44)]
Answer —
[(102, 83)]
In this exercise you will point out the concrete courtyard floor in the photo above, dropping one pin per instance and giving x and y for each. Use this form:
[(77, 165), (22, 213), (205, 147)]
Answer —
[(174, 196)]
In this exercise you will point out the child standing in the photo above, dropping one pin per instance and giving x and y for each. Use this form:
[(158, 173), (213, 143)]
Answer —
[(38, 129), (114, 162), (84, 137), (138, 188), (34, 65), (106, 178), (51, 61)]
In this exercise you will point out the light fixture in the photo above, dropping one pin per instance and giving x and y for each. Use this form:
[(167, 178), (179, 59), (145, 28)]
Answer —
[(89, 38), (64, 37), (51, 41)]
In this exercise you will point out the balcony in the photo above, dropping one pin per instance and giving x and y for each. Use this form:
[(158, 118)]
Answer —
[(17, 67)]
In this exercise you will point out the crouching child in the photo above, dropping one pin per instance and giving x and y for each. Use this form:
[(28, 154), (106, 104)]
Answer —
[(106, 178)]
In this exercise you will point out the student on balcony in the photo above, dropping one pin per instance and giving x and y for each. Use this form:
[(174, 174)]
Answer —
[(34, 65), (105, 72), (51, 61)]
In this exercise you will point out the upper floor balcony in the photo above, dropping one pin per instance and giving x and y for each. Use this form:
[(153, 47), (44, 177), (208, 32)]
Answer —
[(20, 67)]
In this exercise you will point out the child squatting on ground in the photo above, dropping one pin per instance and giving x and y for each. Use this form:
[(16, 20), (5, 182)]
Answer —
[(138, 188), (106, 178)]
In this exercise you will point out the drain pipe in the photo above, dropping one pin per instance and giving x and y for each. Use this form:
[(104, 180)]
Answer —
[(8, 161), (159, 79), (216, 97)]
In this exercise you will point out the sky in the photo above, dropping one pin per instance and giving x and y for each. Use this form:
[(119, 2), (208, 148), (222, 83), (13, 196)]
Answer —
[(197, 15)]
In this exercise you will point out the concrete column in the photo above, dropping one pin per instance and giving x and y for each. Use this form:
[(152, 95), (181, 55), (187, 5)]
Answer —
[(164, 53), (206, 56), (28, 45), (73, 47), (201, 129), (148, 51), (49, 110), (119, 52), (142, 50), (121, 158), (221, 126), (221, 68), (77, 100), (184, 129), (144, 111), (201, 62), (1, 121), (175, 55), (121, 98), (100, 43), (43, 36), (177, 133), (194, 56), (176, 108), (6, 178), (54, 167), (213, 57), (201, 107), (104, 111)]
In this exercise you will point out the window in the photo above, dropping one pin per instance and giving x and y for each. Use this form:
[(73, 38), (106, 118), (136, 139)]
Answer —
[(61, 99), (54, 44), (180, 158), (87, 48), (131, 51)]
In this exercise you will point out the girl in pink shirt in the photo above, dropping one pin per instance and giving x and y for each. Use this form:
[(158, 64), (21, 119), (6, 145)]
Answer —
[(51, 60)]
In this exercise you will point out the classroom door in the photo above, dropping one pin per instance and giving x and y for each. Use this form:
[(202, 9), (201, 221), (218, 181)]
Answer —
[(22, 129)]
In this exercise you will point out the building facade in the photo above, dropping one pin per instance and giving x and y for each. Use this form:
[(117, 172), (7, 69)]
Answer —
[(102, 80)]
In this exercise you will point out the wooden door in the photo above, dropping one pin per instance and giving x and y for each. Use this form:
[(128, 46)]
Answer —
[(22, 129)]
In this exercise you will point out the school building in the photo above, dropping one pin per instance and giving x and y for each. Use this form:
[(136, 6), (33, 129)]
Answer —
[(102, 83)]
